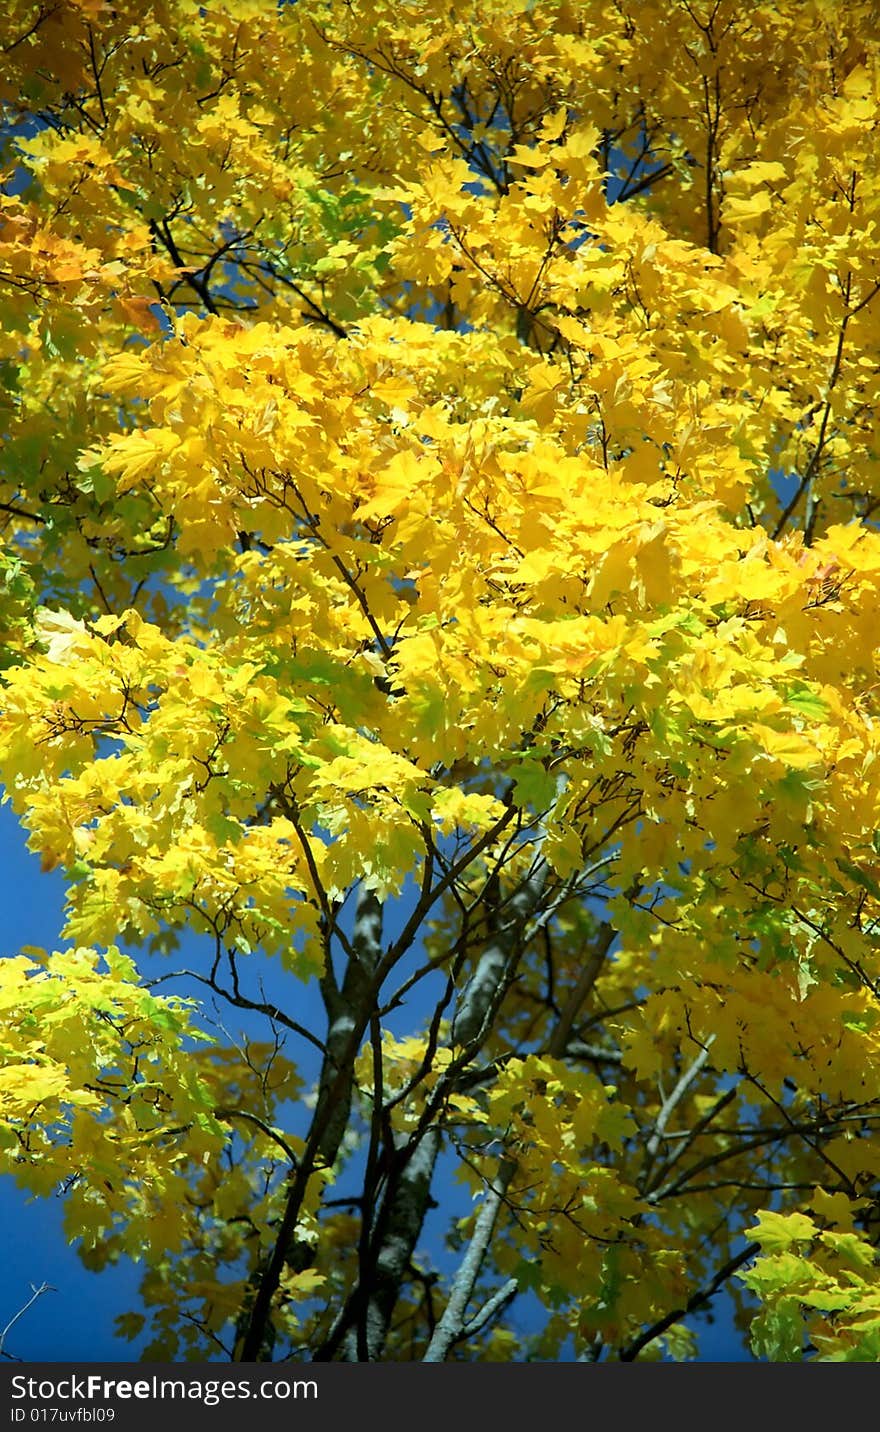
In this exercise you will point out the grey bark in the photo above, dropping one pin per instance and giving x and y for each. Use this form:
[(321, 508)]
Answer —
[(451, 1326), (497, 963), (349, 1007), (403, 1219)]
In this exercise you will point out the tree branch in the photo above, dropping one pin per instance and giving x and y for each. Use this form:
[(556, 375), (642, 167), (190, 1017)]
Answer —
[(698, 1300), (37, 1292), (452, 1324)]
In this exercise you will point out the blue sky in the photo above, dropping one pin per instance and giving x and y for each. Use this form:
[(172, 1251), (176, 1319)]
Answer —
[(74, 1322)]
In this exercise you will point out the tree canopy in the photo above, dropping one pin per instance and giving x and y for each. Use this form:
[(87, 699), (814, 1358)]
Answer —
[(441, 572)]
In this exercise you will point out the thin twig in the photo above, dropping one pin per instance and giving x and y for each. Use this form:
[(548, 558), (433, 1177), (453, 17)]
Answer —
[(37, 1292), (632, 1350)]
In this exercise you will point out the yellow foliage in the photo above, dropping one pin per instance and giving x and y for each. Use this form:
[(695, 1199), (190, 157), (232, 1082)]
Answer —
[(440, 571)]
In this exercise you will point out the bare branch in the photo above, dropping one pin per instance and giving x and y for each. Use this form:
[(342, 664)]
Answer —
[(452, 1324), (37, 1292)]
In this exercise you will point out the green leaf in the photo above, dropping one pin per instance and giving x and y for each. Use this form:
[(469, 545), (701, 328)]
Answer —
[(534, 786), (778, 1334), (867, 882), (807, 702)]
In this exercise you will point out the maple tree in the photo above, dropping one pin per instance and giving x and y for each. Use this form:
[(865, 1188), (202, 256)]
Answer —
[(440, 571)]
